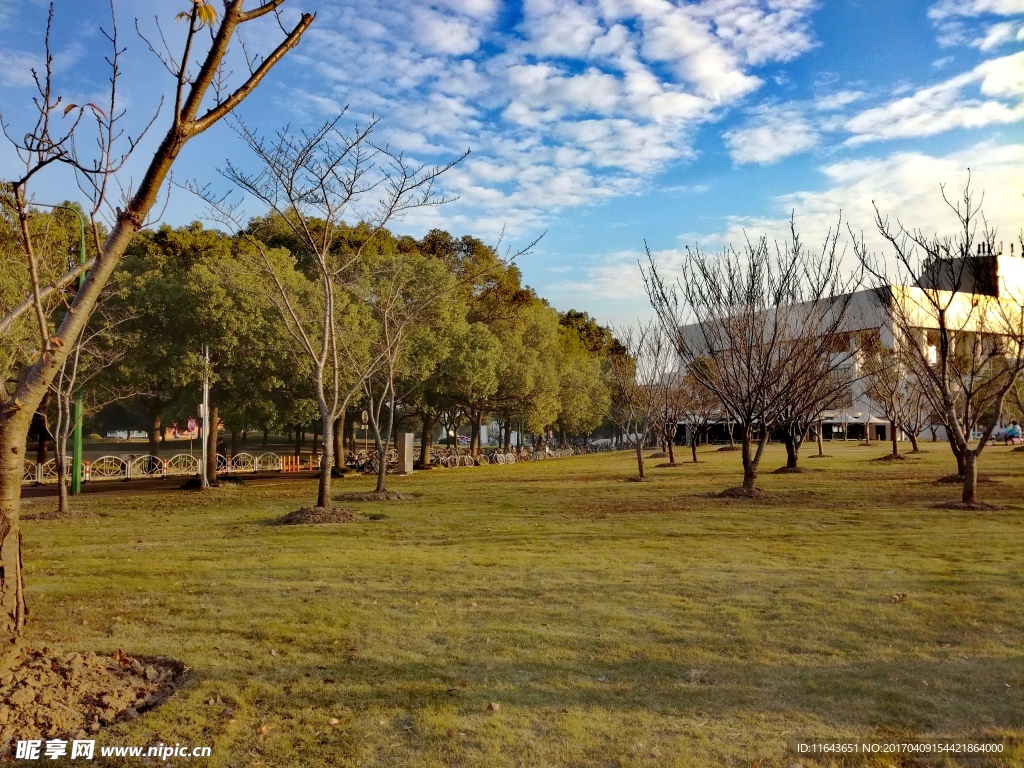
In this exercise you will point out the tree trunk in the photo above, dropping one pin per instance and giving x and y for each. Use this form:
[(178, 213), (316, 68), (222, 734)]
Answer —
[(266, 434), (508, 435), (961, 464), (693, 445), (474, 440), (640, 458), (211, 447), (751, 461), (732, 440), (792, 449), (298, 444), (670, 441), (970, 477), (155, 424), (382, 449), (348, 430), (338, 428), (817, 437), (236, 436), (426, 438), (323, 494), (12, 584), (561, 436), (63, 466), (895, 445), (913, 441)]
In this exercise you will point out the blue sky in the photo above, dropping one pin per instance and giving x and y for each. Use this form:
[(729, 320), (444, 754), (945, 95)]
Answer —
[(608, 123)]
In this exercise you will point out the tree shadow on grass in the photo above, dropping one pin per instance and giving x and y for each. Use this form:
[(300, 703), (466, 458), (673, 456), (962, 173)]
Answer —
[(946, 697)]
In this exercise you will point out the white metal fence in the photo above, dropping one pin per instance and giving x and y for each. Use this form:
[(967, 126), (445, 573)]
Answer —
[(134, 467)]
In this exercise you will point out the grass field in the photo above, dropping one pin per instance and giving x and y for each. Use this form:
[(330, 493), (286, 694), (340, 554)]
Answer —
[(615, 623)]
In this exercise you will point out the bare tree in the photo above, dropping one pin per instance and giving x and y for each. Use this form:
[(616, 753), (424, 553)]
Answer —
[(57, 139), (310, 181), (892, 384), (959, 322), (759, 329), (696, 407), (638, 385), (401, 292)]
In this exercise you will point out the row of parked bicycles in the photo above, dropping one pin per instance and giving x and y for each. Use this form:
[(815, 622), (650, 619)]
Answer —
[(456, 457)]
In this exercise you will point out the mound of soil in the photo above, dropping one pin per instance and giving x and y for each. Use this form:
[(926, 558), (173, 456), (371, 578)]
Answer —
[(891, 457), (49, 694), (639, 480), (977, 506), (739, 492), (791, 471), (319, 515), (657, 455), (731, 448), (820, 456), (375, 496), (1018, 450), (959, 479), (669, 464)]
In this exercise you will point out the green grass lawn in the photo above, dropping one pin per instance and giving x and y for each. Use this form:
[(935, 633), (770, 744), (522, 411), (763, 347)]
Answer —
[(615, 623)]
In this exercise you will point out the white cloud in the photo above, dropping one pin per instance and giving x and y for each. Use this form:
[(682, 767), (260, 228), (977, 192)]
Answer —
[(904, 185), (583, 101), (772, 133), (836, 101), (946, 9), (943, 106), (1000, 34), (955, 21)]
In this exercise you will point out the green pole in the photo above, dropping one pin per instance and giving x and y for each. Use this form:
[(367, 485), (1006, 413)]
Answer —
[(76, 450)]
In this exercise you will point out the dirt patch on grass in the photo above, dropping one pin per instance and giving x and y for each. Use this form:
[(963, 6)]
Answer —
[(739, 492), (226, 482), (959, 479), (974, 506), (892, 457), (792, 471), (320, 515), (820, 456), (639, 480), (657, 455), (50, 694), (668, 464), (53, 514), (731, 448), (375, 496)]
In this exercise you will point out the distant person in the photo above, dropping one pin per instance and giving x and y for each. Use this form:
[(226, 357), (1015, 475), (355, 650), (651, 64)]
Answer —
[(1012, 433)]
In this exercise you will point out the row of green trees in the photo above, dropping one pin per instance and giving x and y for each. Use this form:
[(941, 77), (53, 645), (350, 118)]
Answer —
[(477, 345)]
